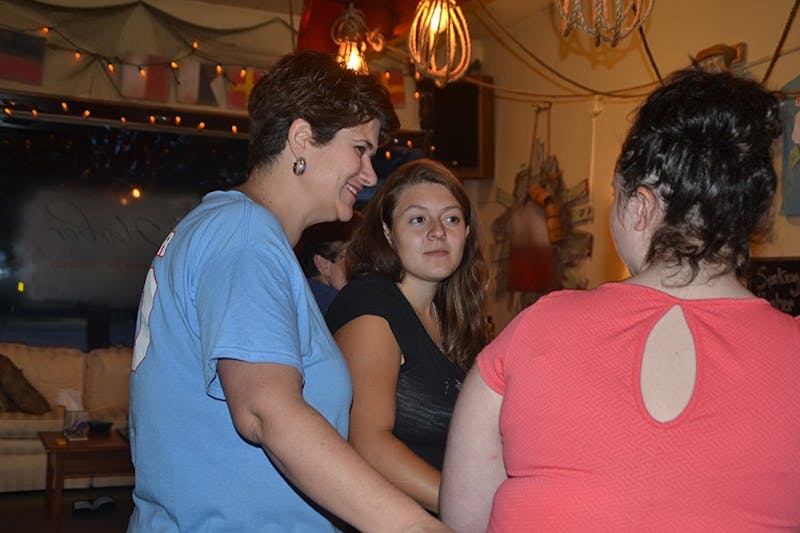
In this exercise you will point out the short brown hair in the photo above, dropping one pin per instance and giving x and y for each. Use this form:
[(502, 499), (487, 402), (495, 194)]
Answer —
[(313, 86)]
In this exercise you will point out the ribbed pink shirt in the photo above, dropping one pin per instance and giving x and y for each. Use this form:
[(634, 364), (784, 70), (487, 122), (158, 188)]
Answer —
[(582, 452)]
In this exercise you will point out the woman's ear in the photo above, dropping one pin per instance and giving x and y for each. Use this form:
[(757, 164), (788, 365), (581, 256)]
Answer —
[(323, 265), (300, 135), (646, 208)]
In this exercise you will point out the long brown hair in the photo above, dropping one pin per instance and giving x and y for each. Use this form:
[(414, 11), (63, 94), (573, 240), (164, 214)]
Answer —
[(461, 297)]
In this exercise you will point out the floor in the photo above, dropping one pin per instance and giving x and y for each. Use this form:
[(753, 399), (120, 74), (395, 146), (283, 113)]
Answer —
[(24, 512)]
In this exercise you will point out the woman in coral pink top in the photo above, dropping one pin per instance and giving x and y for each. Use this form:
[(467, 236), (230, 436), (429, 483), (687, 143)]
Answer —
[(667, 402)]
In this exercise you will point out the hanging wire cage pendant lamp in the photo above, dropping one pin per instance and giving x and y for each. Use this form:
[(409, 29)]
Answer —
[(439, 43), (351, 35), (609, 20)]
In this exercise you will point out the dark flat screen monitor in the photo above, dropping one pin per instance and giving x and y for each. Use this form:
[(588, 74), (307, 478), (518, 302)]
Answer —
[(84, 207)]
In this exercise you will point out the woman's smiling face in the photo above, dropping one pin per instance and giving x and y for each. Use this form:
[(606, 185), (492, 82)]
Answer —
[(341, 168)]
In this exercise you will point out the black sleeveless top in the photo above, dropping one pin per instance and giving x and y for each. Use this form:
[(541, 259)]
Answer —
[(428, 383)]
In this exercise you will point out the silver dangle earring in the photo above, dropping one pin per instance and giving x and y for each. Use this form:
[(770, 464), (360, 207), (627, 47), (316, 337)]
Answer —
[(299, 166)]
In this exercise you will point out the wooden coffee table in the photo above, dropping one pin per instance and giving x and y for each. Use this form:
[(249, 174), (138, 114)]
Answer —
[(100, 455)]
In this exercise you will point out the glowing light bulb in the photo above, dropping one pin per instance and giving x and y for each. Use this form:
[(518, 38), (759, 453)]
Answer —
[(351, 57), (439, 20)]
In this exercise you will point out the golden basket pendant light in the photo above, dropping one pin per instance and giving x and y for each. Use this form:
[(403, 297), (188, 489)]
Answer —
[(353, 37), (605, 20), (439, 42)]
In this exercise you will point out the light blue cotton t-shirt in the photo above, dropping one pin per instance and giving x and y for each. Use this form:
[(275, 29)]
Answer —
[(224, 284)]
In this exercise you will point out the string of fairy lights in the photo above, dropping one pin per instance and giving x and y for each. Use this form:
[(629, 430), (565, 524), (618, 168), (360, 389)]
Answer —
[(140, 114)]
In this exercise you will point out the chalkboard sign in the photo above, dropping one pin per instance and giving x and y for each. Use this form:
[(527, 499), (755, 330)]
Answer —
[(777, 279)]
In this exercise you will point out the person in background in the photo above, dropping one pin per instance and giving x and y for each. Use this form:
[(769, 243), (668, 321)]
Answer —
[(324, 267), (666, 402), (239, 395), (321, 252), (410, 322)]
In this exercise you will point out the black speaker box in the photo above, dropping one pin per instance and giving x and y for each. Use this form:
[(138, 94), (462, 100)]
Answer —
[(460, 121)]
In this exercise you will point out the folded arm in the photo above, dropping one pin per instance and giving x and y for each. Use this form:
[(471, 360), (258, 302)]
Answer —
[(267, 407)]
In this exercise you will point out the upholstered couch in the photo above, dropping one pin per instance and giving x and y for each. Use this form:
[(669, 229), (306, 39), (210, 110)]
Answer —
[(100, 377)]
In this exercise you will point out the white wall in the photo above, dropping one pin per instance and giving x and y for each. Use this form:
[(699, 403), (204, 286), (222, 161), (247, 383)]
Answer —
[(586, 133)]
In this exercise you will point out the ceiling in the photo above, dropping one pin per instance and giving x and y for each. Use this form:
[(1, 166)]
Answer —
[(399, 13)]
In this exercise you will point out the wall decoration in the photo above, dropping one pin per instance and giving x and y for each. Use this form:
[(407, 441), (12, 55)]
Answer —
[(537, 247), (241, 82), (776, 279), (149, 51), (790, 178), (21, 57), (199, 83), (146, 84)]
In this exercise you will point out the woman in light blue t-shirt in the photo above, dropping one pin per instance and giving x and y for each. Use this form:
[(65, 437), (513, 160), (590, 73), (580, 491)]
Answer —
[(239, 396)]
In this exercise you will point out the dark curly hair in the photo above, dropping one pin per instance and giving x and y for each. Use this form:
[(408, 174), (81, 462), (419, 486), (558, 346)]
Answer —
[(460, 298), (313, 86), (703, 144)]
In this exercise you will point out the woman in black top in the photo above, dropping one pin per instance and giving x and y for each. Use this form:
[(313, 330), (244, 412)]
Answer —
[(410, 322)]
